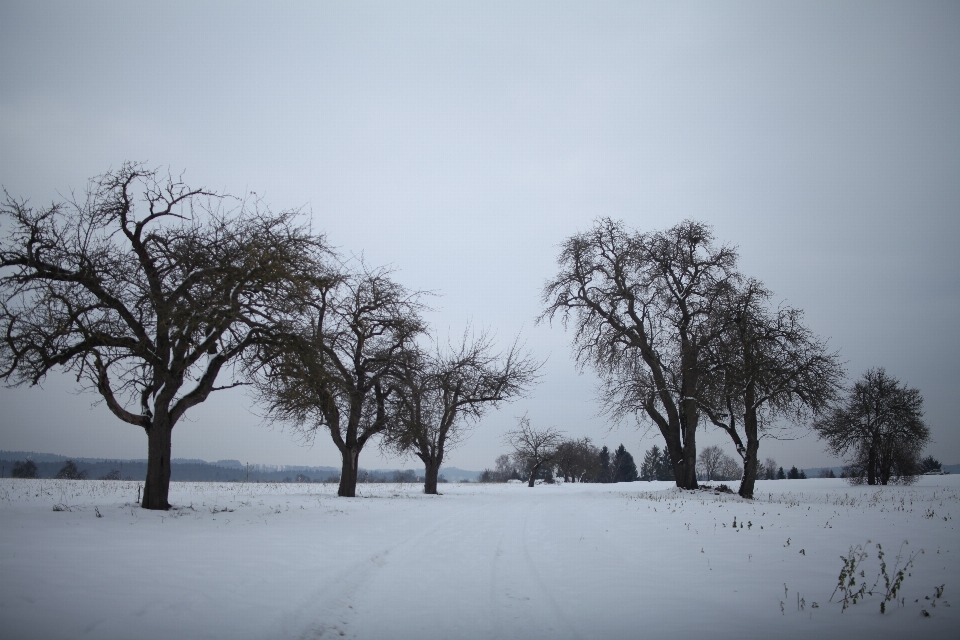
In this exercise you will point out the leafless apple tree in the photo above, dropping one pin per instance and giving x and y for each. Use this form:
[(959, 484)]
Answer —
[(535, 447), (879, 426), (145, 289), (334, 368), (764, 365), (642, 306), (440, 394)]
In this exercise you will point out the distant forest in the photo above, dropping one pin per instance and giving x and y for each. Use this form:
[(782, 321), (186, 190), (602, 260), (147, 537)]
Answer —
[(181, 470)]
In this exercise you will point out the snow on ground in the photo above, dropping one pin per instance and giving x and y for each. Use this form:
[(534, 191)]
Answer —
[(482, 561)]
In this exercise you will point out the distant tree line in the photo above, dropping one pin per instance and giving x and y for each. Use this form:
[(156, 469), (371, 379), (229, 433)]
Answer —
[(196, 472), (546, 456), (543, 454)]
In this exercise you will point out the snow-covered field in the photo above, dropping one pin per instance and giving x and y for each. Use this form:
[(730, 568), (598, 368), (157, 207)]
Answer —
[(482, 561)]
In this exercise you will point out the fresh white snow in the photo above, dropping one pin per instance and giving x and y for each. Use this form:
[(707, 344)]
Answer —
[(481, 561)]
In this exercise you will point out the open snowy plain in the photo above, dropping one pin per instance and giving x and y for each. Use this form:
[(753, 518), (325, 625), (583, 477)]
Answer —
[(481, 561)]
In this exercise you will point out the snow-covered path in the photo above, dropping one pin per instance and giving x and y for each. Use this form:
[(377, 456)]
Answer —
[(498, 561)]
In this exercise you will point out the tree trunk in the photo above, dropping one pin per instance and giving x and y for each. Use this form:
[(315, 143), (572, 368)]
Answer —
[(348, 474), (752, 431), (156, 488), (685, 467), (689, 468), (533, 475), (872, 466), (749, 480), (431, 476), (683, 453)]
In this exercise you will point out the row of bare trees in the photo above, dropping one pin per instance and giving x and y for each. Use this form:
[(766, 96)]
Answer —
[(150, 291), (678, 336)]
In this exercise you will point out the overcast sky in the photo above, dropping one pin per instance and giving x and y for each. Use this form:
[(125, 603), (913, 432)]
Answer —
[(461, 142)]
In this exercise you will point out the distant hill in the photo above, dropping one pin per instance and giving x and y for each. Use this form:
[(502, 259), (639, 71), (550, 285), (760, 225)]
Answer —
[(194, 470)]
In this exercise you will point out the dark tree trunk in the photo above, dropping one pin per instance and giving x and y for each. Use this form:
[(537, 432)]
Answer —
[(685, 465), (749, 468), (872, 466), (533, 475), (348, 473), (431, 476), (686, 475), (683, 446), (156, 488), (752, 431), (687, 479)]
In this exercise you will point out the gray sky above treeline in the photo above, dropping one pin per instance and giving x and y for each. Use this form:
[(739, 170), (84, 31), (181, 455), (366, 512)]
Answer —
[(461, 142)]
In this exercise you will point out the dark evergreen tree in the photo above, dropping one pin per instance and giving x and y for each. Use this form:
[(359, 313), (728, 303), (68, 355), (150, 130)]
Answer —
[(650, 464), (604, 475), (25, 469), (794, 474), (624, 468), (930, 464), (665, 468), (781, 475), (656, 465), (803, 474)]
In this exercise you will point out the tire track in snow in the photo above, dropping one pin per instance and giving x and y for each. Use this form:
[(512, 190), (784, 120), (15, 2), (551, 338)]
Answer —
[(328, 611), (474, 572), (545, 591), (493, 606)]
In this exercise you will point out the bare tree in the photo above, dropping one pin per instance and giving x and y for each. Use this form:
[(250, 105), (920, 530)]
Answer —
[(729, 468), (535, 447), (578, 460), (642, 306), (335, 367), (880, 423), (145, 290), (769, 469), (505, 467), (709, 462), (439, 396), (763, 365), (69, 471)]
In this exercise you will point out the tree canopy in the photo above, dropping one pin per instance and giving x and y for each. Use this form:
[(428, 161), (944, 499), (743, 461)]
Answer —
[(334, 366), (439, 394), (641, 307), (145, 290), (879, 427)]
